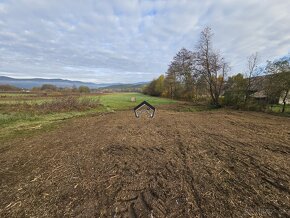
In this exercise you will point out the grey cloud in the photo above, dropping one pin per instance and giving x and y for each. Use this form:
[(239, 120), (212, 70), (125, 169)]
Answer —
[(132, 40)]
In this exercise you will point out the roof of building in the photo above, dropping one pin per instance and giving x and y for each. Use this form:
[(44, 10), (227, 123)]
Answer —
[(259, 94)]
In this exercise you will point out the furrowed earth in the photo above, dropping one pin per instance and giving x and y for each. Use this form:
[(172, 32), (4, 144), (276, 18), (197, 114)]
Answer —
[(218, 163)]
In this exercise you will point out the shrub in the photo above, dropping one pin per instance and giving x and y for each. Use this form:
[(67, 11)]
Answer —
[(70, 103), (84, 89), (63, 104), (48, 87)]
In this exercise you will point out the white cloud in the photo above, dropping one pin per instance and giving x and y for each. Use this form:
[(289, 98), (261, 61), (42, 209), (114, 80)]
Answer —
[(131, 40)]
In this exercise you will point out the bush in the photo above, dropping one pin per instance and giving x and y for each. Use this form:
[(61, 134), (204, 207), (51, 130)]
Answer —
[(64, 104), (84, 89), (234, 98), (68, 104), (255, 106), (48, 87), (7, 87)]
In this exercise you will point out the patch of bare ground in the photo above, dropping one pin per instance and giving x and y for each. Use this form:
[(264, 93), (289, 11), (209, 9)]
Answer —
[(205, 164)]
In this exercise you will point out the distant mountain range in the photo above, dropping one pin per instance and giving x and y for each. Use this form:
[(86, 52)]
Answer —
[(36, 82)]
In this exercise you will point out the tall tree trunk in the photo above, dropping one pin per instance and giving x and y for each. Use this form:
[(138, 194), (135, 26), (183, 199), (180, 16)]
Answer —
[(216, 94), (284, 101), (248, 89)]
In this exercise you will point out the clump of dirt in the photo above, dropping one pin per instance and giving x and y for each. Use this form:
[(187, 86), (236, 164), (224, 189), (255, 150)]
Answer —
[(206, 164)]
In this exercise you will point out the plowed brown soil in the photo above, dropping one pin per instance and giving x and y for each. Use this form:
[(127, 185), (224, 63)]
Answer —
[(205, 164)]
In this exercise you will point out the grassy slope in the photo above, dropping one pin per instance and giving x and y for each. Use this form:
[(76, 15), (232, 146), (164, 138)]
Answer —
[(122, 101), (18, 123)]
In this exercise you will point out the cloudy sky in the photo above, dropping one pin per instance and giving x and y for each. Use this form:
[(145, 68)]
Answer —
[(132, 40)]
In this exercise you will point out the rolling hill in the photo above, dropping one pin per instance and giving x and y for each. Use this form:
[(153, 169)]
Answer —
[(34, 82)]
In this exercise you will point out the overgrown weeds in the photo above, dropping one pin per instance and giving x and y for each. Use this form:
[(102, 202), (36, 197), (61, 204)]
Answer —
[(70, 103), (63, 104)]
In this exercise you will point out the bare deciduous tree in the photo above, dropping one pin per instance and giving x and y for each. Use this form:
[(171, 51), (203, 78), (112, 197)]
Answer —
[(182, 64), (179, 79), (171, 81), (210, 65), (252, 66)]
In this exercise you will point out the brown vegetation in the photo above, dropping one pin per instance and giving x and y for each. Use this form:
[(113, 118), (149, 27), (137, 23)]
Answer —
[(193, 74), (6, 87), (201, 74), (60, 104)]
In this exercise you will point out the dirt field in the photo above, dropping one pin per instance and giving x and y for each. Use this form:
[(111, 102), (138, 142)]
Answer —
[(204, 164)]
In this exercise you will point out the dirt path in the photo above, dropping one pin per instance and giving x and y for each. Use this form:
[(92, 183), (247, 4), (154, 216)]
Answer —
[(206, 164)]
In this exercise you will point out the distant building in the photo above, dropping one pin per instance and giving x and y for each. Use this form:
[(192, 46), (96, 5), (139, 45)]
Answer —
[(258, 91)]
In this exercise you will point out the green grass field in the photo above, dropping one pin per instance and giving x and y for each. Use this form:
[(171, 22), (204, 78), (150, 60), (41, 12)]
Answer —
[(14, 123), (278, 108), (122, 101)]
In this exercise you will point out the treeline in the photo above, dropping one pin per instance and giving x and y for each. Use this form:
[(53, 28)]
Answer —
[(53, 88), (47, 88), (201, 75), (257, 92), (6, 88), (193, 74)]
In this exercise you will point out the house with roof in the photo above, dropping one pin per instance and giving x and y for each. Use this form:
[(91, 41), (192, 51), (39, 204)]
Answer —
[(258, 90)]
